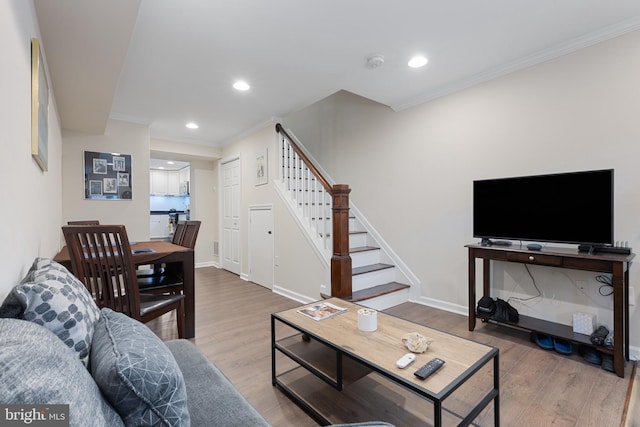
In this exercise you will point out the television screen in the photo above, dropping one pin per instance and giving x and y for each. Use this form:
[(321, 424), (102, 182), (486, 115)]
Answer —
[(574, 207)]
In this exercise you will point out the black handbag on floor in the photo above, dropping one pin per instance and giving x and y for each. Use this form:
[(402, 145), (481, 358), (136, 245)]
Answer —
[(505, 312), (497, 309), (486, 306)]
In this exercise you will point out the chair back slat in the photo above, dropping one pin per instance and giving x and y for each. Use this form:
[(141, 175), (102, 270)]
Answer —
[(178, 234), (190, 234), (84, 222), (101, 259)]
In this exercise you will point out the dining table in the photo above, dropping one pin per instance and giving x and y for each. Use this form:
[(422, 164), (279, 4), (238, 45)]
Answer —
[(157, 252)]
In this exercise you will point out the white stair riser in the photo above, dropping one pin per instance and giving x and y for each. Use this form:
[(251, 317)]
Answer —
[(387, 301), (374, 278), (360, 259), (354, 225), (357, 240)]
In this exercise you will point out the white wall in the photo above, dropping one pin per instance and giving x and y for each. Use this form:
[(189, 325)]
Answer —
[(411, 172), (120, 137), (31, 214)]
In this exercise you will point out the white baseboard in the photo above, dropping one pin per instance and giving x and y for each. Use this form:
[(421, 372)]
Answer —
[(207, 264), (442, 305), (303, 299)]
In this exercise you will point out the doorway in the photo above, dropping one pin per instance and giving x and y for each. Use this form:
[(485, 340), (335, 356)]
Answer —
[(261, 261), (230, 213)]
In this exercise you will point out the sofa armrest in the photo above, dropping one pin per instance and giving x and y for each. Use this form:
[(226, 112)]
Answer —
[(212, 398)]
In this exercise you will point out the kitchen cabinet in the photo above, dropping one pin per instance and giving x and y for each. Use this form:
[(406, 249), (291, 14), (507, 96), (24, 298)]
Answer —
[(173, 183), (185, 174), (158, 182), (159, 226), (164, 182)]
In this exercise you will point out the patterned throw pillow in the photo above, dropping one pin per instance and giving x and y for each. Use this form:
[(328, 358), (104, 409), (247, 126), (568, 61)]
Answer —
[(54, 298), (137, 373)]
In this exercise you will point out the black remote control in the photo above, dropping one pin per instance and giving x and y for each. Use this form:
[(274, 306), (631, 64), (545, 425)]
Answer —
[(428, 369)]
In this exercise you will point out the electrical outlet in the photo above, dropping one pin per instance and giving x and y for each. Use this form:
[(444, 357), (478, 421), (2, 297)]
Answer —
[(582, 287), (632, 296)]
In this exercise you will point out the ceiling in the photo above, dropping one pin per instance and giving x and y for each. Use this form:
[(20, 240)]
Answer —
[(169, 165), (165, 62)]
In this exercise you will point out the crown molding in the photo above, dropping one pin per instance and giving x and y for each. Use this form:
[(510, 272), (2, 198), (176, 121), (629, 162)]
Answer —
[(603, 34)]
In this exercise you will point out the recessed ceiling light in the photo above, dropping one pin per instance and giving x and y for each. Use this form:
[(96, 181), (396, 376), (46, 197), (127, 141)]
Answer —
[(192, 125), (418, 61), (169, 162), (160, 167), (241, 85)]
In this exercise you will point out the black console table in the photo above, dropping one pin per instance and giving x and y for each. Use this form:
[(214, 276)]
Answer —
[(616, 264)]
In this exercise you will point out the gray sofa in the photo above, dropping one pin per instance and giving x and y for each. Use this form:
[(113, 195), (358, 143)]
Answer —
[(35, 368), (106, 369)]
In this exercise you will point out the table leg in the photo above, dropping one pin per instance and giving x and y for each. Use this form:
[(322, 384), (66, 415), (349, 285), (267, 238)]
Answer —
[(472, 290), (617, 281), (496, 386), (188, 271), (626, 311)]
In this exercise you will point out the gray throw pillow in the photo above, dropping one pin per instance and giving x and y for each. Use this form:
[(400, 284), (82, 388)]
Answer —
[(54, 298), (37, 368), (137, 373)]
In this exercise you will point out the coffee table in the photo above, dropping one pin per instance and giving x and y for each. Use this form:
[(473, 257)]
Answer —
[(360, 370)]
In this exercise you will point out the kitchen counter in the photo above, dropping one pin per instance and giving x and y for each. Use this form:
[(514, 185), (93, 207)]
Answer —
[(165, 212)]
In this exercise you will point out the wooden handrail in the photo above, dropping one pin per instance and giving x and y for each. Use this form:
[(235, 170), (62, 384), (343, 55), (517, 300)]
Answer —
[(341, 269), (305, 159)]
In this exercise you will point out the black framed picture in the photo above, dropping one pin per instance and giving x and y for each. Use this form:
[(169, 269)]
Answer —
[(107, 176)]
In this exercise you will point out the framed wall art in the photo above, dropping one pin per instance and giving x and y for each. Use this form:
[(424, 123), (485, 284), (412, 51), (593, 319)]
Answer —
[(39, 108), (107, 176), (262, 174)]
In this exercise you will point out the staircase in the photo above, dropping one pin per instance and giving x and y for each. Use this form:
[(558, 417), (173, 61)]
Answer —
[(377, 279)]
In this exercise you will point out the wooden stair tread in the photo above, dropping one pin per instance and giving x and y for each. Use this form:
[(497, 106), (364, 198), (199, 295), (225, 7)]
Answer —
[(363, 249), (370, 268), (373, 292)]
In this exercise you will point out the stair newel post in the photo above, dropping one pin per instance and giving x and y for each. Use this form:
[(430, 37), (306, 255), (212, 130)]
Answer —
[(341, 260)]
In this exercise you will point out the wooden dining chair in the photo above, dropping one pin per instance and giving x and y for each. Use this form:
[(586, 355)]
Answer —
[(158, 269), (178, 233), (190, 234), (101, 258), (170, 279), (84, 222)]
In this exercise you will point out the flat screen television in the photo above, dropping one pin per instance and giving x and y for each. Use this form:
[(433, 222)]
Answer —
[(575, 207)]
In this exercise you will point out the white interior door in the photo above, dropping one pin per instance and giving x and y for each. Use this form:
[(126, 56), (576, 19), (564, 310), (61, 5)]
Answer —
[(261, 246), (231, 216)]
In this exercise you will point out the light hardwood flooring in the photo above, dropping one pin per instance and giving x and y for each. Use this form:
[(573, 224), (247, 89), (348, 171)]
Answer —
[(537, 387)]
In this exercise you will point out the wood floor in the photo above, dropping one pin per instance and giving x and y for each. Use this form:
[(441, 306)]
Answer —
[(537, 387)]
